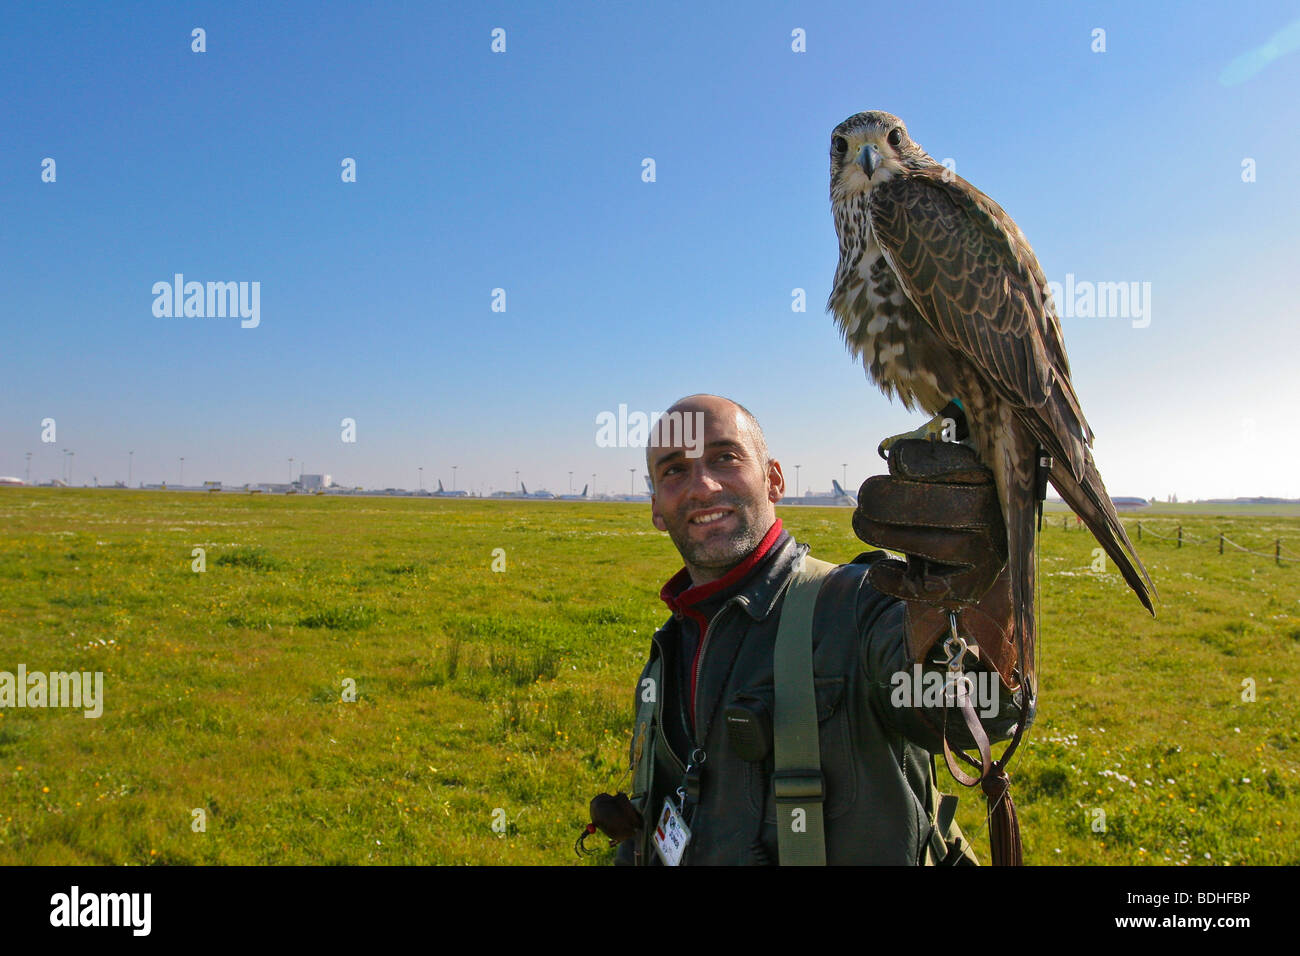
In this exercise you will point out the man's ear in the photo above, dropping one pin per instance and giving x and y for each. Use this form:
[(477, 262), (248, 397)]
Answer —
[(655, 516), (775, 481)]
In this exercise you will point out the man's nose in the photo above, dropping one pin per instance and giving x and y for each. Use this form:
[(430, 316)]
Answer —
[(703, 481)]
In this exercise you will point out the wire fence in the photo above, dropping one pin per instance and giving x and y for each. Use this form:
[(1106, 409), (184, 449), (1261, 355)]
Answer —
[(1280, 553)]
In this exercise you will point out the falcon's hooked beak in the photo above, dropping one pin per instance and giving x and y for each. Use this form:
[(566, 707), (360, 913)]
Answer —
[(868, 158)]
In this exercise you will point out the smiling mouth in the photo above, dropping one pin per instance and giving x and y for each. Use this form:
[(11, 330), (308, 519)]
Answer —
[(709, 517)]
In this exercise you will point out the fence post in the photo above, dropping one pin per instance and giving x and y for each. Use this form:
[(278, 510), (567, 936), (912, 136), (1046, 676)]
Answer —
[(1220, 542), (1064, 518), (1180, 536), (1277, 551), (1139, 529)]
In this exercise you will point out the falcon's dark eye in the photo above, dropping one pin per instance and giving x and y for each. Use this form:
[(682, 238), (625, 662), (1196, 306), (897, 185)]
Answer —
[(841, 145), (895, 136)]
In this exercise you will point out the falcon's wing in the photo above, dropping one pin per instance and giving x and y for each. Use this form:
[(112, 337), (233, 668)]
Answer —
[(975, 280)]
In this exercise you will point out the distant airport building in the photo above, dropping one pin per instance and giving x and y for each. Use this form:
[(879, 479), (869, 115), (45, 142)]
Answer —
[(1252, 501), (314, 482), (212, 486)]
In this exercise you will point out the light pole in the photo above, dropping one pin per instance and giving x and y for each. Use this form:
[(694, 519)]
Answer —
[(421, 471), (181, 483), (631, 481), (130, 460), (29, 468), (796, 480), (291, 470), (453, 476), (70, 454), (844, 482), (516, 479), (63, 472), (570, 482), (593, 484)]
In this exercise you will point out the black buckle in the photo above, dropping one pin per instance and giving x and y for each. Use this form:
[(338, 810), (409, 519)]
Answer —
[(799, 785)]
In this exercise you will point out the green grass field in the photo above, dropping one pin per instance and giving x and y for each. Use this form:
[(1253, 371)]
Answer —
[(487, 696)]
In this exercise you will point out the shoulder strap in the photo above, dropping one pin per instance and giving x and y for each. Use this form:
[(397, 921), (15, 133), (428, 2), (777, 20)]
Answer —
[(643, 734), (945, 845), (645, 740), (798, 782)]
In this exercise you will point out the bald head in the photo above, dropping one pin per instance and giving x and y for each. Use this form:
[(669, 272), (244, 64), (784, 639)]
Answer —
[(675, 430)]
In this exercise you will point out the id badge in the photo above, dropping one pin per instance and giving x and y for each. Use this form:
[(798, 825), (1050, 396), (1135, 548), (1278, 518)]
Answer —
[(671, 835)]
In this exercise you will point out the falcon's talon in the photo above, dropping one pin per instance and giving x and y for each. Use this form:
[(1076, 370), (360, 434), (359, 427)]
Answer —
[(933, 430)]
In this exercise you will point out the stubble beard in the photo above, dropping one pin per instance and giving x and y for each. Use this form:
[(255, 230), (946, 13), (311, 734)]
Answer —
[(721, 553)]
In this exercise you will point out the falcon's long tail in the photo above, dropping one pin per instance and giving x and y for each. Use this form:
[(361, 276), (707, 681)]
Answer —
[(1090, 502), (1010, 452)]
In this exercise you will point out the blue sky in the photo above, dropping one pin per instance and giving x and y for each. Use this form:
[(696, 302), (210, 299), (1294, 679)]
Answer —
[(522, 170)]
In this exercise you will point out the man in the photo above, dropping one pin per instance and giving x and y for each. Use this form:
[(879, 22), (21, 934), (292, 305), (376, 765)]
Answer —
[(716, 500)]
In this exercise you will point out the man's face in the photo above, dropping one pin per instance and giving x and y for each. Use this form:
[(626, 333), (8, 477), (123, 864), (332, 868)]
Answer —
[(717, 506)]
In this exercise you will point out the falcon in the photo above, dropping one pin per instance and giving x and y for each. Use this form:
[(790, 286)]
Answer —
[(941, 297)]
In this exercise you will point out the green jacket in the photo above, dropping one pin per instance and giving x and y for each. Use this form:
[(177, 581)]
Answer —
[(875, 755)]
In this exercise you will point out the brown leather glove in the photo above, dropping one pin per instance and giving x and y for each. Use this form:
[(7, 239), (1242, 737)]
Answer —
[(939, 507), (615, 816)]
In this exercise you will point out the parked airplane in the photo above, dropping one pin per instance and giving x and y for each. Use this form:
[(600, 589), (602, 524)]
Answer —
[(850, 500), (581, 497), (543, 493), (12, 481), (650, 489), (838, 497), (444, 493)]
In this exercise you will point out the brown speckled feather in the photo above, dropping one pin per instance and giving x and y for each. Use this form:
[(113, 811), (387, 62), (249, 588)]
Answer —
[(976, 280)]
